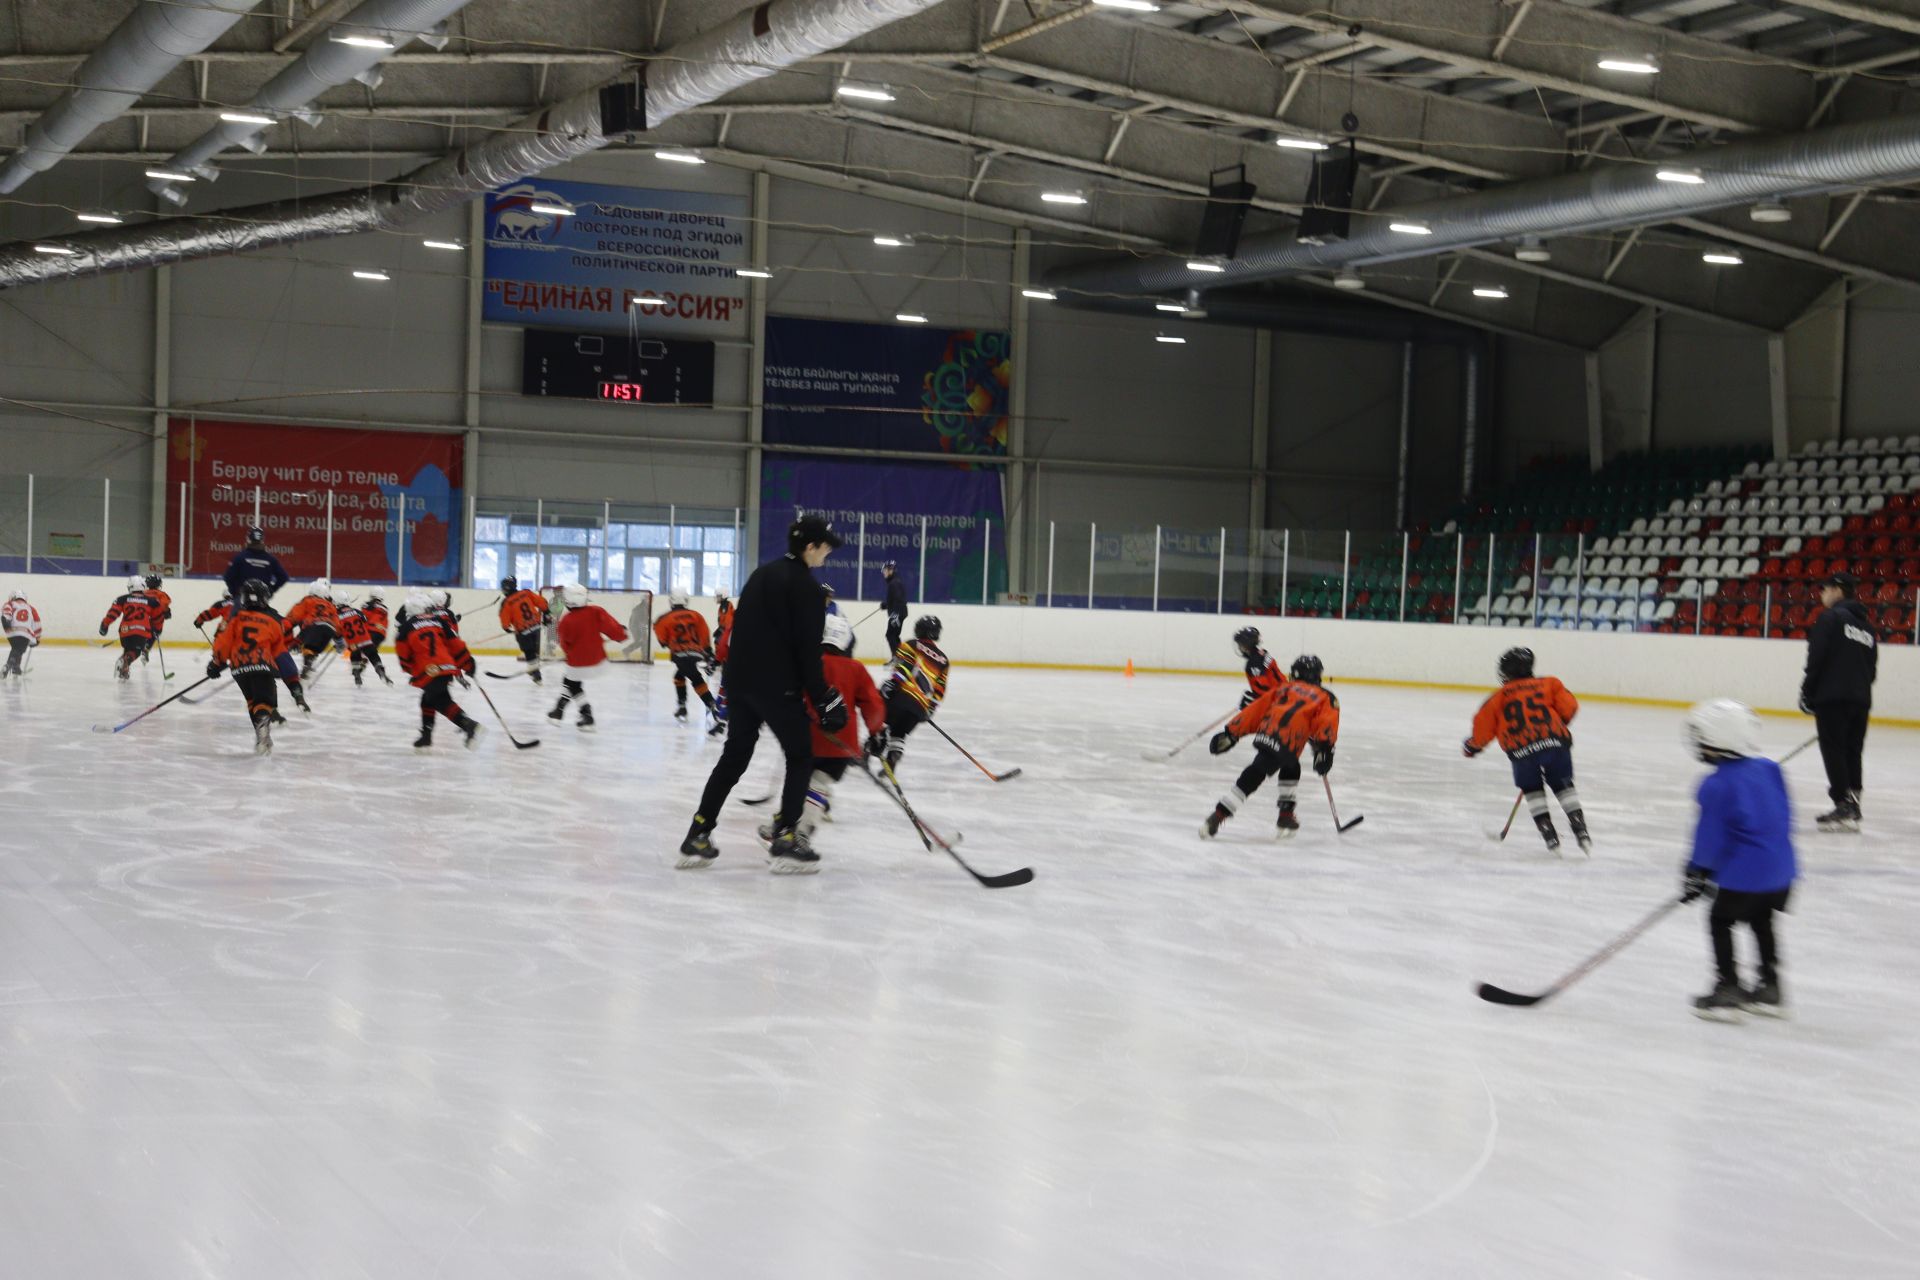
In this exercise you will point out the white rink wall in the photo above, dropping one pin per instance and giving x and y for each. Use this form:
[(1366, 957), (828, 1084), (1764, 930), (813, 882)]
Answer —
[(1764, 673)]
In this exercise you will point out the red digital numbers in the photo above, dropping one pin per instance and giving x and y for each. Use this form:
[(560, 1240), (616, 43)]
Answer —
[(631, 391)]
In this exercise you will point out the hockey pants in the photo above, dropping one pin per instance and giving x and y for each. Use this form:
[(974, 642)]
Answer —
[(904, 715), (437, 698), (17, 647), (1267, 761), (1551, 769), (686, 671), (262, 692)]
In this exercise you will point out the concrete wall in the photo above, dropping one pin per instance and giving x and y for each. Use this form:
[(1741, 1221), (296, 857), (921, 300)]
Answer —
[(1763, 673)]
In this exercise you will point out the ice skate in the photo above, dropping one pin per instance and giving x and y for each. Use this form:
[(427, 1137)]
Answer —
[(1842, 819), (680, 714), (585, 722), (791, 855), (1547, 833), (1287, 826), (1764, 999), (559, 711), (356, 678), (274, 717), (697, 851), (1577, 820), (470, 729), (718, 729), (1722, 1004), (424, 741), (262, 738)]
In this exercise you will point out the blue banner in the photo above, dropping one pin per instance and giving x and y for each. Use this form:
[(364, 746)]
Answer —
[(953, 513), (882, 386), (655, 261)]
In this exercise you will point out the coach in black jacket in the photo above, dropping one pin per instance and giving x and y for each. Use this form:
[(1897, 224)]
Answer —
[(896, 607), (1843, 654), (773, 658)]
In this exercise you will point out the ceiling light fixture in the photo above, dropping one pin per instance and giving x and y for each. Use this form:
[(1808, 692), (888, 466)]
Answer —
[(1723, 258), (360, 42), (1686, 177), (371, 275), (1062, 197), (57, 250), (679, 157), (752, 273), (105, 219), (1300, 144), (1410, 228), (557, 210), (1495, 291), (451, 245), (910, 317), (646, 301), (245, 117), (1039, 295), (867, 93), (1633, 66), (1171, 308), (1531, 250), (1131, 6), (1770, 211), (1169, 339), (1211, 268), (1348, 278), (169, 175), (889, 242)]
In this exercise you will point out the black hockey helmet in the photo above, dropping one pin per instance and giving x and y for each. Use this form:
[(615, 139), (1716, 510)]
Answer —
[(1246, 640), (253, 593), (1516, 664), (1306, 668), (927, 628), (256, 536), (153, 582), (509, 585)]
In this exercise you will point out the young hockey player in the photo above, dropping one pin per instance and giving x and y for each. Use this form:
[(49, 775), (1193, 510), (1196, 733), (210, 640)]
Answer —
[(21, 623), (433, 655), (253, 644), (583, 632), (833, 752), (1263, 673), (1529, 716), (683, 633), (523, 612), (833, 608), (722, 642), (162, 604), (315, 624), (217, 612), (1742, 854), (895, 605), (915, 686), (1284, 721), (134, 611)]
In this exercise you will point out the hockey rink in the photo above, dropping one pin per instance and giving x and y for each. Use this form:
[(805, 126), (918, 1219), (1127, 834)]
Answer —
[(353, 1011)]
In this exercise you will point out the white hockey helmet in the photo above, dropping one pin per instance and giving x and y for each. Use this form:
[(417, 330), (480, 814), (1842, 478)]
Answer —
[(573, 593), (838, 634), (439, 597), (15, 593), (135, 583), (322, 588), (678, 600), (376, 595), (342, 596), (1722, 727), (417, 603)]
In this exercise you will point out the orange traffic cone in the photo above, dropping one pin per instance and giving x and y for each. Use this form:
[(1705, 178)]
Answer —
[(1129, 668)]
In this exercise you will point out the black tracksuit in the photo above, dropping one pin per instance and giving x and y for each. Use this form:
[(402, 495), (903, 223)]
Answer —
[(1843, 653), (773, 658), (896, 608)]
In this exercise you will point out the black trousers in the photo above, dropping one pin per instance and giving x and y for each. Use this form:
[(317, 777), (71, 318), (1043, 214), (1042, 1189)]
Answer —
[(895, 623), (438, 697), (1755, 910), (262, 690), (1843, 737), (529, 642), (1268, 761), (368, 653), (17, 647), (686, 670), (315, 639), (786, 715), (904, 715)]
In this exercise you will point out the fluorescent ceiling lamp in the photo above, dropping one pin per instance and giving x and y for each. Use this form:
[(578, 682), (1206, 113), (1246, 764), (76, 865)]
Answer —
[(1173, 308), (1349, 279), (371, 275), (1490, 291), (245, 117), (1722, 258), (866, 93), (909, 317), (1635, 66), (1687, 177), (1531, 250), (1039, 295), (557, 210), (169, 175), (360, 42), (646, 302), (1211, 268), (58, 250), (1770, 211), (679, 157), (451, 245), (889, 242), (1300, 144), (1169, 339), (1062, 197), (753, 273), (1131, 6), (105, 219), (1410, 228)]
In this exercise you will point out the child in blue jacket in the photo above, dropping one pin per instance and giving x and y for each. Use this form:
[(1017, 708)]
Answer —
[(1742, 853)]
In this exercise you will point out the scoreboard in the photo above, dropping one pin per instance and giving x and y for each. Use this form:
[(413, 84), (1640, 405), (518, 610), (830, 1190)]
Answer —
[(617, 369)]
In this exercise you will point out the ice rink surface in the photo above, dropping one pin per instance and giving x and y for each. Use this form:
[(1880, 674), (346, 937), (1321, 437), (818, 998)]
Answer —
[(350, 1011)]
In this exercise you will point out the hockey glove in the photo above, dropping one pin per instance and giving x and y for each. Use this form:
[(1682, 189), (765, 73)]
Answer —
[(214, 669), (103, 631), (1697, 882), (833, 713), (1221, 743), (1247, 699), (1467, 748), (1323, 758), (299, 698), (877, 744)]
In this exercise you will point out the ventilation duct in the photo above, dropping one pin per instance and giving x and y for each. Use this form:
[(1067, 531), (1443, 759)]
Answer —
[(326, 65), (1847, 155), (748, 47), (156, 37)]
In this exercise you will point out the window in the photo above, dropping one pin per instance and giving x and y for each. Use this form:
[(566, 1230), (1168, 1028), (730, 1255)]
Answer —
[(623, 556)]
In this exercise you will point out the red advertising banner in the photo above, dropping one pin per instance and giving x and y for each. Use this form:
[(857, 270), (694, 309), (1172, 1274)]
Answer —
[(293, 477)]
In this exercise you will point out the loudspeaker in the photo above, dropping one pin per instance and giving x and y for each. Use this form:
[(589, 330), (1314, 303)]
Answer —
[(1329, 201), (1227, 205)]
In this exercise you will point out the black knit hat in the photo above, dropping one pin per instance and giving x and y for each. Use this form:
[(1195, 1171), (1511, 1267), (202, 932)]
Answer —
[(1848, 584), (808, 530)]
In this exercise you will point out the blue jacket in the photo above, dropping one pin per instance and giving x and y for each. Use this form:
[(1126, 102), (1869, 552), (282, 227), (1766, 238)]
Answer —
[(1745, 835), (254, 564)]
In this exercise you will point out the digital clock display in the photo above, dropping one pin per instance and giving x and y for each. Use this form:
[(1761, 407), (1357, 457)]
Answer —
[(629, 391), (613, 369)]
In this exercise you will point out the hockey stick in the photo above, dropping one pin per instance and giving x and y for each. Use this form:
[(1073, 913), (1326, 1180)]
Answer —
[(162, 651), (101, 728), (926, 837), (1511, 815), (530, 668), (1802, 747), (1007, 881), (524, 746), (320, 668), (997, 777), (1341, 827), (869, 617), (1159, 757), (1498, 995)]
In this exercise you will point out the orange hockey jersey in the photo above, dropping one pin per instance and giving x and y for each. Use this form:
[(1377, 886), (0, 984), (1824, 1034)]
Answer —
[(1290, 716), (524, 610), (683, 633), (428, 648), (252, 640), (1526, 715)]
